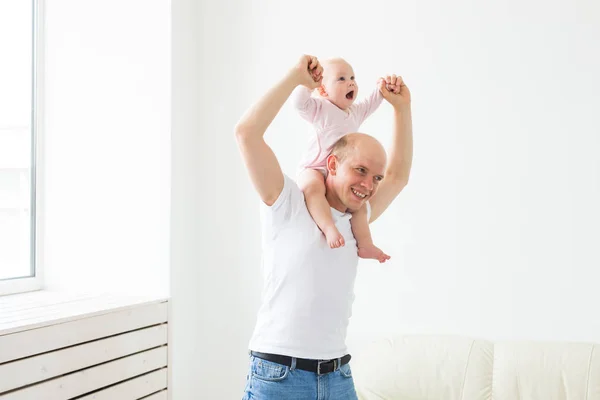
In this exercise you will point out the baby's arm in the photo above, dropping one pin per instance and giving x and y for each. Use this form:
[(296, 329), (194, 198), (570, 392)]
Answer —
[(307, 106), (368, 105)]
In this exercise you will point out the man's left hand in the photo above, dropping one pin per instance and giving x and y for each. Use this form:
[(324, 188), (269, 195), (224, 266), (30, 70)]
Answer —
[(394, 90)]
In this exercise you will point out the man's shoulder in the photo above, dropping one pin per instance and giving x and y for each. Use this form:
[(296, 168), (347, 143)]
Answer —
[(292, 185), (290, 194), (289, 207)]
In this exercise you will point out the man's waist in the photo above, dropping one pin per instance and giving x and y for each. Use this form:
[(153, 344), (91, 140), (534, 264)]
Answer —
[(320, 367), (313, 347)]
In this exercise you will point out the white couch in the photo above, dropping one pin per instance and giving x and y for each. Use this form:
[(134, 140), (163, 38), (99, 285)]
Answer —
[(458, 368)]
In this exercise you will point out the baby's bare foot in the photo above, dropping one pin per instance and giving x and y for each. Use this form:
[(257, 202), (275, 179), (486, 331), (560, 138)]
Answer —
[(334, 237), (373, 252)]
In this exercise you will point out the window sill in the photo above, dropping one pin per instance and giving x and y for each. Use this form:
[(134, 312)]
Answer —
[(32, 310), (18, 286)]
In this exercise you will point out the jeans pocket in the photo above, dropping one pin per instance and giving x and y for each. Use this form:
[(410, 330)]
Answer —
[(269, 371), (345, 371)]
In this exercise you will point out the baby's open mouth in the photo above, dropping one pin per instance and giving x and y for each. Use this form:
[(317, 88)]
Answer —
[(350, 95)]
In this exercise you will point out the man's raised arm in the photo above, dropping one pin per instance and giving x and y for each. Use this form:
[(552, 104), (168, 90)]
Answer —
[(263, 167), (401, 152)]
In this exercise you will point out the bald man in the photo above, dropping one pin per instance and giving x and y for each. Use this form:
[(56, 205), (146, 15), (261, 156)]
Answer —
[(298, 348)]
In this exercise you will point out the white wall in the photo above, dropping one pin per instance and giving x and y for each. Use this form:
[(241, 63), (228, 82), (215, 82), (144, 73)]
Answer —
[(494, 236), (107, 158)]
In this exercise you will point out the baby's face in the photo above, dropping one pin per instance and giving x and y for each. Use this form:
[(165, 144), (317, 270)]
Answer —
[(339, 83)]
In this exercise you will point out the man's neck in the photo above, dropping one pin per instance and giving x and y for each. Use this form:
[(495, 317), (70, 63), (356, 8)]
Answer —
[(332, 199)]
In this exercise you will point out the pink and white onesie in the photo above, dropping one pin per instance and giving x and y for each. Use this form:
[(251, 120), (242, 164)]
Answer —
[(330, 123)]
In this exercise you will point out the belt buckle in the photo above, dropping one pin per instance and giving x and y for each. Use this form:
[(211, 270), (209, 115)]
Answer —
[(319, 363)]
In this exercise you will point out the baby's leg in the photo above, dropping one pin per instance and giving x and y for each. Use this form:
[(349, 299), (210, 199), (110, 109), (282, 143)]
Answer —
[(312, 184), (362, 234)]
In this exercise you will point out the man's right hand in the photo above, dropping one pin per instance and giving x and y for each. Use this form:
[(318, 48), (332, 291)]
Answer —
[(308, 72)]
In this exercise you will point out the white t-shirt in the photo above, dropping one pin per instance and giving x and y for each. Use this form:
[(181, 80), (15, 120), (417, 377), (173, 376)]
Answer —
[(308, 287)]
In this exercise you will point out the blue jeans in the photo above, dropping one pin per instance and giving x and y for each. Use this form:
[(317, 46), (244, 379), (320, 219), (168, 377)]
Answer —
[(267, 380)]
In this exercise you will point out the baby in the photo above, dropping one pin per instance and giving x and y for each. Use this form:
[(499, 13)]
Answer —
[(333, 114)]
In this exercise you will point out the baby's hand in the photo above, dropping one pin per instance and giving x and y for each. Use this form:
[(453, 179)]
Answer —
[(391, 87), (309, 71), (394, 90)]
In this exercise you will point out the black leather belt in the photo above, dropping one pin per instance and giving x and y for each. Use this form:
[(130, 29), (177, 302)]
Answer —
[(320, 367)]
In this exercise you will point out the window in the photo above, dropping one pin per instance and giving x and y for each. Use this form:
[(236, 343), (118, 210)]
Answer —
[(19, 130)]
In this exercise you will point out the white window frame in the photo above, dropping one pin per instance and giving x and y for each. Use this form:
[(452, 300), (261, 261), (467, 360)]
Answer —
[(36, 282)]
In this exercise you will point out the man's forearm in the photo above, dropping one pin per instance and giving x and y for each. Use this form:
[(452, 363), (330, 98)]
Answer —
[(257, 119), (401, 152)]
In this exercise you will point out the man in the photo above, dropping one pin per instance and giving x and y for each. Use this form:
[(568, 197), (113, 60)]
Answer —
[(298, 347)]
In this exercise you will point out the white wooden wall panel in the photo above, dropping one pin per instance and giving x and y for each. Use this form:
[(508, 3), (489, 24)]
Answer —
[(88, 380), (15, 317), (58, 312), (38, 299), (158, 396), (90, 347), (49, 365), (34, 312), (133, 389), (35, 341)]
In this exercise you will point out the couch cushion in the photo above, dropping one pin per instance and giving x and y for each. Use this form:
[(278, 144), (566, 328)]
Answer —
[(424, 367), (539, 370)]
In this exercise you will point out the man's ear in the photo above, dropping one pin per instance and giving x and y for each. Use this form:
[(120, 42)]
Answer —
[(322, 91), (332, 164)]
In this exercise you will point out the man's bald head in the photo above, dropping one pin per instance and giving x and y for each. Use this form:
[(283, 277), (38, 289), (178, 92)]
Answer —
[(350, 143)]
